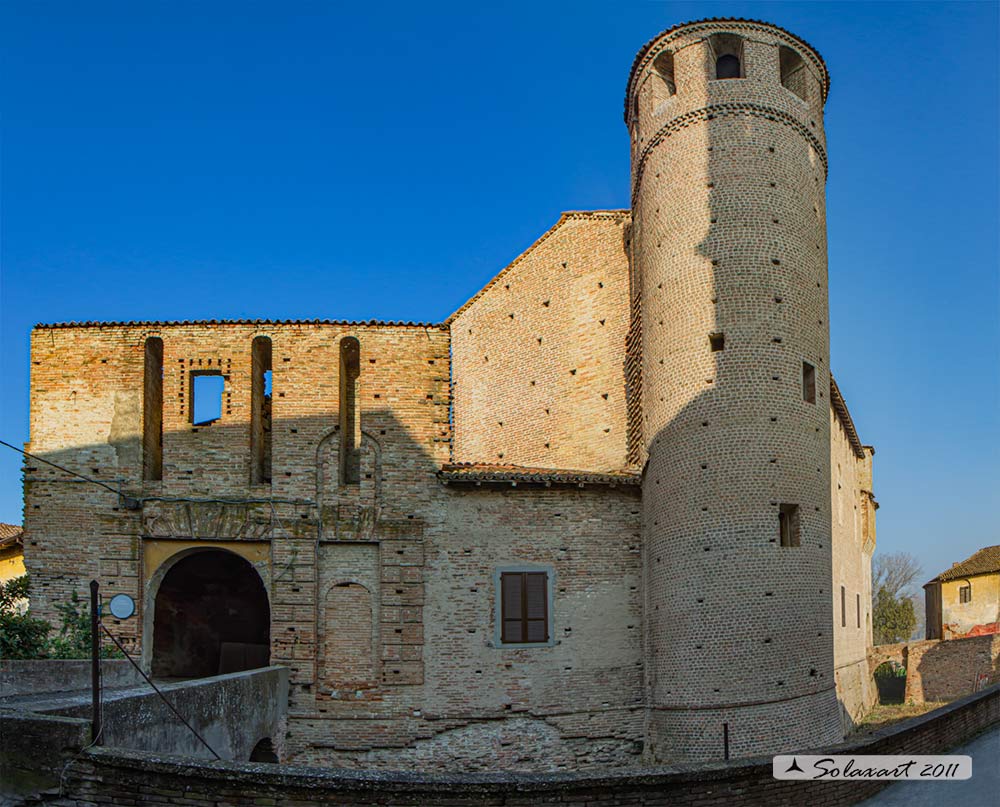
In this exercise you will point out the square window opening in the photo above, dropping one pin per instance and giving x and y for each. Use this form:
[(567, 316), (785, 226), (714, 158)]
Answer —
[(207, 390), (717, 341)]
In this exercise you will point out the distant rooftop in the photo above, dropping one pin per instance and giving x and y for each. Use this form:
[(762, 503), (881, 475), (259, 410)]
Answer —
[(985, 561)]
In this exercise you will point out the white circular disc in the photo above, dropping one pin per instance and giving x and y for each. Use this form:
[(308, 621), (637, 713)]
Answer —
[(122, 606)]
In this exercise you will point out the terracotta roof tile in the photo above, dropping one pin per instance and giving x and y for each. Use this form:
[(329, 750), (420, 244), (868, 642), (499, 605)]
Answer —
[(840, 407), (10, 534), (985, 561), (514, 474), (257, 322)]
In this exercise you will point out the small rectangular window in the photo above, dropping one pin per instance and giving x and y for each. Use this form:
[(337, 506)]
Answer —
[(206, 397), (808, 383), (843, 607), (524, 607), (789, 530), (717, 341), (965, 594)]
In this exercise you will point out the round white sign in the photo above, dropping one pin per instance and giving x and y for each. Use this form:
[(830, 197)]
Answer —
[(122, 606)]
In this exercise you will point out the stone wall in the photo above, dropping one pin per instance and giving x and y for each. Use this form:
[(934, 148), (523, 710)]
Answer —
[(106, 777), (31, 677)]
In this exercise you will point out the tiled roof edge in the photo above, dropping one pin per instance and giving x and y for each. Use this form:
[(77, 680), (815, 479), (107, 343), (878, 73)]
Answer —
[(566, 216), (473, 473), (260, 322), (840, 407)]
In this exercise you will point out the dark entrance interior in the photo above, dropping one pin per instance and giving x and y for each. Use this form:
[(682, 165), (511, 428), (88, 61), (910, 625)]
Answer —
[(211, 616)]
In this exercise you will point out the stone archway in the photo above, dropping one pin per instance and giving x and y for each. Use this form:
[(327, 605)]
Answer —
[(211, 615)]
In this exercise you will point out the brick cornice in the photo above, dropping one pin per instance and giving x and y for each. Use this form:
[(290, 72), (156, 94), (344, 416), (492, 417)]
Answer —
[(719, 110)]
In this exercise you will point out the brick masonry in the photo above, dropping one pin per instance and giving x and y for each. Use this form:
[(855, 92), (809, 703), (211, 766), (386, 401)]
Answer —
[(674, 613), (107, 777)]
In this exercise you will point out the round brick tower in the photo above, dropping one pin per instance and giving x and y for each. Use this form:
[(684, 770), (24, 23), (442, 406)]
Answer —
[(729, 276)]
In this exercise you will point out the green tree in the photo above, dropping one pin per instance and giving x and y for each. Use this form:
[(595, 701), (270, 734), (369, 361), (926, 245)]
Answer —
[(73, 640), (893, 618), (21, 635)]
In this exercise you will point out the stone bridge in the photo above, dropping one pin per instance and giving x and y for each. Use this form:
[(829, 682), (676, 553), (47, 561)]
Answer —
[(45, 715)]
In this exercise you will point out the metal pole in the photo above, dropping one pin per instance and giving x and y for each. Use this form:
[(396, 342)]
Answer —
[(95, 664)]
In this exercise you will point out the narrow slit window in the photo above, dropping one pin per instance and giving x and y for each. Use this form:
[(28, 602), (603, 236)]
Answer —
[(207, 389), (260, 411), (152, 411), (789, 531), (858, 596), (965, 593), (843, 607), (808, 383), (717, 341), (350, 423), (524, 607)]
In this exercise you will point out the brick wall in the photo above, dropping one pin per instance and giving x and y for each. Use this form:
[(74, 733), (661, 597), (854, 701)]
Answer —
[(941, 670), (539, 354), (109, 777)]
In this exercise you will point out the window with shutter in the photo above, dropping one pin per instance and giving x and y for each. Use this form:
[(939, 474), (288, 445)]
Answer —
[(524, 607)]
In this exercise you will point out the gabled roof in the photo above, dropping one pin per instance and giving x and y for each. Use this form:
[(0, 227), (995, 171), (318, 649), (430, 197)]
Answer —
[(570, 215), (985, 561), (479, 473)]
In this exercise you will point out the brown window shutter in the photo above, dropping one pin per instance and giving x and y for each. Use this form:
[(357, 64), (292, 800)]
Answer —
[(536, 607), (511, 597)]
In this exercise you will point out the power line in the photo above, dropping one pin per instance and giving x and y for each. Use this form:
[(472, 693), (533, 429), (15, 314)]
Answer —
[(61, 468)]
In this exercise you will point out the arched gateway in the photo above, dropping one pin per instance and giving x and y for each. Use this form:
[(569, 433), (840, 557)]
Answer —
[(211, 616)]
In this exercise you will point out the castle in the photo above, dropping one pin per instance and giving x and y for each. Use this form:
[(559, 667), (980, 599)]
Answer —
[(613, 510)]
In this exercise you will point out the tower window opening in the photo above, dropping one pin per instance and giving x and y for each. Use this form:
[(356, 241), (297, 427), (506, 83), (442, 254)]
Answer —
[(207, 389), (858, 598), (843, 607), (808, 383), (152, 411), (965, 593), (350, 423), (794, 75), (727, 50), (789, 528), (260, 410), (663, 67), (717, 341)]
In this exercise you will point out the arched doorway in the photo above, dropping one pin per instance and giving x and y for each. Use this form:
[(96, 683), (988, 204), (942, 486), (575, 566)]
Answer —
[(211, 616), (890, 679)]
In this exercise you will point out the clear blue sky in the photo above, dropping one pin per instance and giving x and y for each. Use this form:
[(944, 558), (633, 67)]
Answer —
[(212, 160)]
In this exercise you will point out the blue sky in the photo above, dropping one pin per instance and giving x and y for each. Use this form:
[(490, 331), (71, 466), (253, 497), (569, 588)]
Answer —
[(212, 160)]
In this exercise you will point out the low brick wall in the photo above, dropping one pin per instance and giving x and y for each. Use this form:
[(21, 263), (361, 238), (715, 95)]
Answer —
[(109, 777), (941, 670), (38, 676)]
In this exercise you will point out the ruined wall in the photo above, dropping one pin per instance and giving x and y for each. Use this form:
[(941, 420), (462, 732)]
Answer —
[(539, 354), (352, 571), (853, 544), (942, 670)]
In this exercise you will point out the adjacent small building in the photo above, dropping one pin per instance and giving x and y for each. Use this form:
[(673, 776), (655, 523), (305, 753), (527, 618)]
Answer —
[(965, 600), (11, 551)]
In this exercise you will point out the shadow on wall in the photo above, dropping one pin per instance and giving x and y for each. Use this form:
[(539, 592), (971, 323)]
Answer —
[(205, 609)]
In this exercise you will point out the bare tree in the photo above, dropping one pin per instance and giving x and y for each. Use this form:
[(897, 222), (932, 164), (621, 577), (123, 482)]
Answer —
[(895, 572)]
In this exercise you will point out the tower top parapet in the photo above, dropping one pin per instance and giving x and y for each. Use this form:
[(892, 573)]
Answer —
[(709, 25)]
